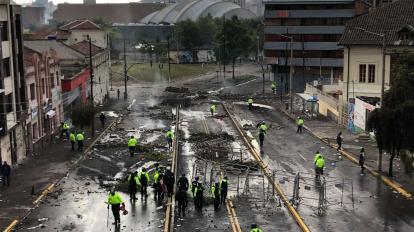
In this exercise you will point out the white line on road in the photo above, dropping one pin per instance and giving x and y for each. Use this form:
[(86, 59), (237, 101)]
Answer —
[(302, 157)]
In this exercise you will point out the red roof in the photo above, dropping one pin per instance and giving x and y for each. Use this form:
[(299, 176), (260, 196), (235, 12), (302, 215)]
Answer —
[(80, 24), (83, 47)]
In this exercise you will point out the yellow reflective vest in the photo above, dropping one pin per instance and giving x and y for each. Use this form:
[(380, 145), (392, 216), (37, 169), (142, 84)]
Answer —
[(114, 199), (132, 142)]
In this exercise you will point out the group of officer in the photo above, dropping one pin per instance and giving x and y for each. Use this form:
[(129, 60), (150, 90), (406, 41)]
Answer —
[(74, 137)]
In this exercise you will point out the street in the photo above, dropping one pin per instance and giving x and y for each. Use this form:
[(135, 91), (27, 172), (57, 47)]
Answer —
[(210, 147)]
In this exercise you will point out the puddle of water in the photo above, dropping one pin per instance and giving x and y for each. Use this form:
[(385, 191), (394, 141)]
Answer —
[(103, 157), (152, 138), (110, 114), (130, 105), (193, 114)]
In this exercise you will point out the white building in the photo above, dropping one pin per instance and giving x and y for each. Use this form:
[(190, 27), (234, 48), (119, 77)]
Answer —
[(13, 103)]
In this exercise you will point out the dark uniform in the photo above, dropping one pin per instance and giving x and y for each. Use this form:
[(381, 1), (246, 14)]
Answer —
[(199, 197), (215, 192), (144, 179), (133, 182), (224, 184), (6, 170), (169, 182), (183, 183), (181, 198)]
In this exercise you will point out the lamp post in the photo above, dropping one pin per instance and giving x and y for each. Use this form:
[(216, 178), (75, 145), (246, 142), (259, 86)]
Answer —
[(91, 77), (383, 36)]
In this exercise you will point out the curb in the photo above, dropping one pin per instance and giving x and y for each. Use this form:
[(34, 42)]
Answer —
[(391, 183), (50, 188)]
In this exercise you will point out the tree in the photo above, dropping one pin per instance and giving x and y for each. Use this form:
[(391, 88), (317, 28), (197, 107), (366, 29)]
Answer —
[(190, 37), (392, 124), (234, 35)]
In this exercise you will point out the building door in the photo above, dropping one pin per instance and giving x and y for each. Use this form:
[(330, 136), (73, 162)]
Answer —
[(13, 147)]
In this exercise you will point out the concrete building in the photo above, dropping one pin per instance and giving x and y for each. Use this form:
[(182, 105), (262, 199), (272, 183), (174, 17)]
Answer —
[(111, 13), (13, 104), (44, 96), (33, 16), (359, 92), (80, 30), (316, 27)]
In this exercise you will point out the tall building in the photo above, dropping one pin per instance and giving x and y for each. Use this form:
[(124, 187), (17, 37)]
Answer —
[(316, 27), (12, 85)]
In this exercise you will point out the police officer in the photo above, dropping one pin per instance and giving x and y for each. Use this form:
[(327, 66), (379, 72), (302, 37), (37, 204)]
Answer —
[(156, 178), (212, 109), (183, 182), (339, 141), (194, 184), (319, 164), (362, 160), (64, 129), (199, 197), (80, 138), (224, 185), (170, 137), (255, 228), (215, 192), (300, 124), (181, 198), (262, 132), (133, 181), (132, 143), (115, 200), (169, 181), (5, 171), (273, 87), (102, 118), (250, 103), (144, 179), (72, 138)]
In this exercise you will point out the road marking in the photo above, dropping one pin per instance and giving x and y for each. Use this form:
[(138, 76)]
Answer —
[(301, 223), (302, 157), (391, 183), (233, 226), (44, 194), (11, 226)]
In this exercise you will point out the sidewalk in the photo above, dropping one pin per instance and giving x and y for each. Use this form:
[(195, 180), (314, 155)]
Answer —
[(352, 143), (38, 172)]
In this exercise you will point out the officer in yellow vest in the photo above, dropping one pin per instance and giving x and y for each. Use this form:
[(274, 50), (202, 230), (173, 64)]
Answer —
[(80, 138), (255, 228), (250, 103), (215, 192), (144, 179), (64, 129), (132, 143), (300, 124), (319, 164), (170, 137), (273, 87), (212, 109), (115, 200), (72, 139)]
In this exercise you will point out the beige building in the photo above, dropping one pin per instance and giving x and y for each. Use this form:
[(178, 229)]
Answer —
[(371, 43), (79, 30), (12, 86)]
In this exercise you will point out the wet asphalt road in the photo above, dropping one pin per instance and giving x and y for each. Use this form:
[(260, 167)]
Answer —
[(79, 206)]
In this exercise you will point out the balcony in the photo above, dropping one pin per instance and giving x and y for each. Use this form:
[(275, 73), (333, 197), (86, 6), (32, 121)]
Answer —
[(313, 62), (304, 29), (333, 13), (303, 46)]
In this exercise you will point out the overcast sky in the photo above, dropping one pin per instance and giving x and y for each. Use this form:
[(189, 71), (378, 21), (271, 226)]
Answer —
[(76, 1)]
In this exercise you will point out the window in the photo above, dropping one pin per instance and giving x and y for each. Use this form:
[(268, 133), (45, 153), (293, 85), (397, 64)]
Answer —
[(32, 91), (6, 67), (9, 103), (4, 31), (43, 86), (371, 73), (362, 73), (52, 80)]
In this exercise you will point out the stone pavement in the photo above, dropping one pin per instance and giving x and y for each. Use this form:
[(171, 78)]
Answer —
[(30, 178)]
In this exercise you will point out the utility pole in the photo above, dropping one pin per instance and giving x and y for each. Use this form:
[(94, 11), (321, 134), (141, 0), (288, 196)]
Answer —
[(224, 47), (168, 57), (91, 77), (291, 74), (125, 74)]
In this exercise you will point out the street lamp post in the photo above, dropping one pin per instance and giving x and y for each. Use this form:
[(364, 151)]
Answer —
[(91, 77), (125, 74)]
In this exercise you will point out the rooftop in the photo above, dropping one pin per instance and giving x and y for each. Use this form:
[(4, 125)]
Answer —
[(83, 47), (388, 20), (80, 24), (111, 13)]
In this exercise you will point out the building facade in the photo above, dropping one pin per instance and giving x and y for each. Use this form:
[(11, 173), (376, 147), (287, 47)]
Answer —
[(13, 103), (316, 27), (44, 95)]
